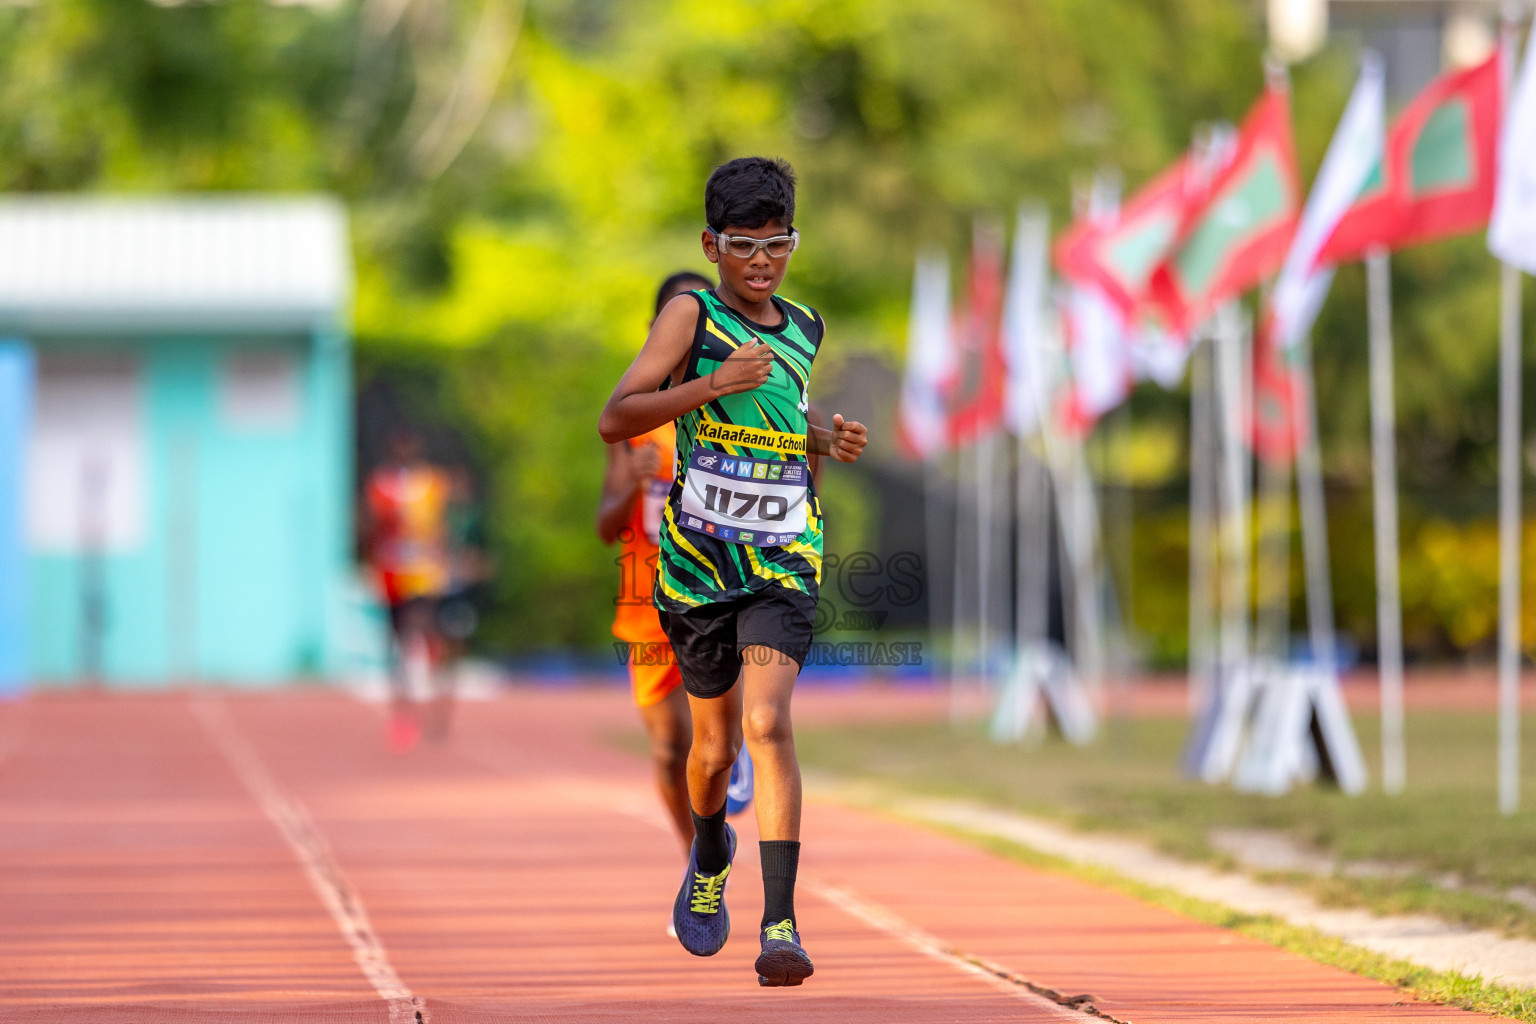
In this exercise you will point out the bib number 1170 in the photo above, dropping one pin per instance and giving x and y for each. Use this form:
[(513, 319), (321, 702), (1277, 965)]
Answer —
[(769, 506)]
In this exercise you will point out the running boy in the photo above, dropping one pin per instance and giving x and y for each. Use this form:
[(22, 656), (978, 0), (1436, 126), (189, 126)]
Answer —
[(741, 538), (636, 483)]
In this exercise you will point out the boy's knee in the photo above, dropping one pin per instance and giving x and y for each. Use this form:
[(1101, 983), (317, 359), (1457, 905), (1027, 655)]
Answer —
[(715, 754), (766, 724)]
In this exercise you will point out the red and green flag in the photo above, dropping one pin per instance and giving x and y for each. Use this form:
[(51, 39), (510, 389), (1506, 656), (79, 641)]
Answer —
[(1242, 228), (1119, 254), (979, 390), (1439, 172)]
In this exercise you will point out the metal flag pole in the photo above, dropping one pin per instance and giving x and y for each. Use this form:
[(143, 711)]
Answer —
[(1314, 517), (1509, 493), (957, 594), (933, 501), (1230, 362), (1032, 554), (1274, 586), (1509, 539), (985, 450), (1389, 613), (1126, 601), (1202, 515), (1002, 531), (1081, 531), (1117, 503)]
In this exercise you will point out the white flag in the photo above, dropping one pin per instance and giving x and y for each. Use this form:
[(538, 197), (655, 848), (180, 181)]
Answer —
[(1356, 150), (1097, 350), (1098, 340), (1024, 322), (1512, 232), (930, 357)]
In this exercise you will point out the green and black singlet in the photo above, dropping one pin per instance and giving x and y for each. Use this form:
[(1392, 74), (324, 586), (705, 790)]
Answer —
[(743, 513)]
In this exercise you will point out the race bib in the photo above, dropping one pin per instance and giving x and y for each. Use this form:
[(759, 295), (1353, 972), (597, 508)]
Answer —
[(652, 503), (760, 502)]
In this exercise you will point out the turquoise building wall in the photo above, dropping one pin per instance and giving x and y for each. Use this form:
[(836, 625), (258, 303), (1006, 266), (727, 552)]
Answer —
[(243, 574), (15, 412)]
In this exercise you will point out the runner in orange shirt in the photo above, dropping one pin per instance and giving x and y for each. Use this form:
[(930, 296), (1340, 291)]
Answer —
[(635, 487), (405, 529)]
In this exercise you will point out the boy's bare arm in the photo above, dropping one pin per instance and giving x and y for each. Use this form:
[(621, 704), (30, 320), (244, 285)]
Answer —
[(636, 407)]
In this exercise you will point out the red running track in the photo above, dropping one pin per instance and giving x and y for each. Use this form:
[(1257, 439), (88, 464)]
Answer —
[(196, 857)]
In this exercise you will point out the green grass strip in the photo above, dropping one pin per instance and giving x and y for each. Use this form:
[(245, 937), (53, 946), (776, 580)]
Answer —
[(1445, 987)]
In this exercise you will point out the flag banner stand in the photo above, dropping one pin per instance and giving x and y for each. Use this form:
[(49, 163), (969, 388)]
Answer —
[(1300, 727), (1389, 614), (1227, 715), (1078, 521), (1279, 743), (1041, 672), (1509, 539), (1272, 755), (1301, 731), (1330, 727), (1277, 723)]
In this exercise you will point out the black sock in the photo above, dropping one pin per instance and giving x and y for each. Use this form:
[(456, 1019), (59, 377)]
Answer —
[(781, 860), (714, 847)]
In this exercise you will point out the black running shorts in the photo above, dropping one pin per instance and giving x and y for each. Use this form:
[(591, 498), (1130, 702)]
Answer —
[(709, 640)]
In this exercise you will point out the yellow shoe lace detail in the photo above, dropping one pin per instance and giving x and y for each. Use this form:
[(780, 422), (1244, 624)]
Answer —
[(707, 890), (784, 930)]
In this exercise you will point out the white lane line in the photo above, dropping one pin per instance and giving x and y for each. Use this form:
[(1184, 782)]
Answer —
[(909, 934), (314, 855), (630, 804)]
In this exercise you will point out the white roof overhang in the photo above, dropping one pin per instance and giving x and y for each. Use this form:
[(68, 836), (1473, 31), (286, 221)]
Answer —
[(74, 264)]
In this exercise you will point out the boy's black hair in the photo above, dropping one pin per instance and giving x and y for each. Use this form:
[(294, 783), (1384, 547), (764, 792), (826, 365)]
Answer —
[(749, 192), (673, 281)]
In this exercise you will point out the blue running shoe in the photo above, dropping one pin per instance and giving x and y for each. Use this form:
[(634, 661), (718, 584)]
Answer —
[(783, 961), (699, 915), (738, 793)]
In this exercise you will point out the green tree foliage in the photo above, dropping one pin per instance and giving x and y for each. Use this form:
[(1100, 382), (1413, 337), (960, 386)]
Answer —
[(520, 176), (903, 120)]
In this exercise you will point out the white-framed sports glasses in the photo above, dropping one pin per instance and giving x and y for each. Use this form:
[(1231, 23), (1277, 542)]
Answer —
[(744, 247)]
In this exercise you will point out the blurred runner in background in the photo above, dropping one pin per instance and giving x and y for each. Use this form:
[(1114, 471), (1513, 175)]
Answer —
[(405, 507), (635, 488)]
